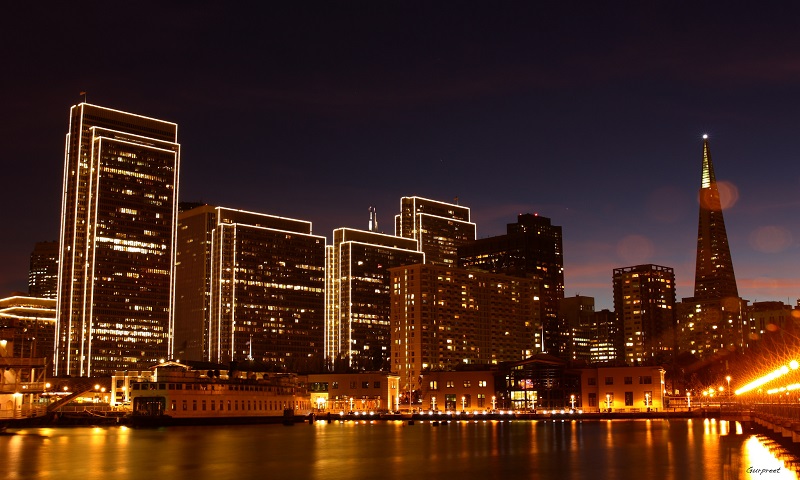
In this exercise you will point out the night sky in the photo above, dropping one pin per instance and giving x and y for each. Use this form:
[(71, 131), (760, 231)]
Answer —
[(586, 113)]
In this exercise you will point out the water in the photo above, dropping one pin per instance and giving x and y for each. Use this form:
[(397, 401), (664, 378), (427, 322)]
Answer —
[(641, 449)]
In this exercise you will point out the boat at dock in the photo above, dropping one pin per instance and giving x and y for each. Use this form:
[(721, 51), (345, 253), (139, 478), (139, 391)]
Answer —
[(178, 395)]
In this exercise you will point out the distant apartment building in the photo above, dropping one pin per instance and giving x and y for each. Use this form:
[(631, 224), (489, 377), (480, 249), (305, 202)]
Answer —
[(249, 286), (577, 327), (357, 327), (117, 242), (644, 302), (532, 247), (607, 343), (43, 273), (770, 317), (439, 228), (444, 317)]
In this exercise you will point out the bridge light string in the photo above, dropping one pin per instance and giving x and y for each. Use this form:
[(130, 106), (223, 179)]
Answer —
[(793, 365)]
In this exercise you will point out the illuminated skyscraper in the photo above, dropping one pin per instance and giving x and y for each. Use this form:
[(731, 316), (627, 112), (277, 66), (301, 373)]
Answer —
[(249, 286), (43, 274), (714, 318), (446, 317), (117, 242), (532, 247), (357, 326), (439, 228), (644, 302)]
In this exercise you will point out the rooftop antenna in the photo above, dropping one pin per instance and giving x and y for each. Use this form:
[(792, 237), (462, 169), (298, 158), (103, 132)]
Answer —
[(373, 219), (84, 97), (455, 200)]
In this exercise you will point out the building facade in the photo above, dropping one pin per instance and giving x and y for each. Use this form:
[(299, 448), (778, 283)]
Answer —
[(532, 247), (622, 389), (607, 343), (31, 323), (357, 327), (251, 286), (644, 302), (361, 392), (578, 327), (444, 317), (117, 241), (43, 273), (439, 228)]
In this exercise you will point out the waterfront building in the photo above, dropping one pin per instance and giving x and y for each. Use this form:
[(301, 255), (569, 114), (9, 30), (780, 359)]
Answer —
[(361, 392), (439, 228), (472, 390), (444, 317), (622, 389), (357, 329), (30, 323), (249, 286), (714, 318), (43, 273), (774, 316), (532, 247), (117, 241), (644, 302)]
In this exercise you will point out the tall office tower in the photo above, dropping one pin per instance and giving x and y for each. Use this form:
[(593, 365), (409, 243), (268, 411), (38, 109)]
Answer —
[(713, 319), (577, 318), (607, 343), (644, 301), (531, 247), (357, 329), (43, 273), (249, 286), (443, 317), (117, 242), (439, 228)]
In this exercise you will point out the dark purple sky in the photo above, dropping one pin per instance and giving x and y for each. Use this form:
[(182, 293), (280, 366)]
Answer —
[(587, 113)]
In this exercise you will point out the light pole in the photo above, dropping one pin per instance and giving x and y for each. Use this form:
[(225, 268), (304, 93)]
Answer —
[(647, 401), (728, 378), (689, 399), (608, 402), (463, 403), (572, 401), (493, 401)]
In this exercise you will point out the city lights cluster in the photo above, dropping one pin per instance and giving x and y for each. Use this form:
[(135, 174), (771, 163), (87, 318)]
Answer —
[(768, 378), (787, 388)]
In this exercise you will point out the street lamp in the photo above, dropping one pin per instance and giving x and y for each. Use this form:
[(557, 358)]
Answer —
[(572, 401), (463, 403), (728, 378), (493, 401), (608, 402), (689, 399), (647, 401)]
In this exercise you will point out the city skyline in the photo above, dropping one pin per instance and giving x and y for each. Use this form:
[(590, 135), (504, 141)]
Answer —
[(592, 118)]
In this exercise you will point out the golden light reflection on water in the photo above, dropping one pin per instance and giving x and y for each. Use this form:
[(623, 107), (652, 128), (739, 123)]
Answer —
[(759, 461)]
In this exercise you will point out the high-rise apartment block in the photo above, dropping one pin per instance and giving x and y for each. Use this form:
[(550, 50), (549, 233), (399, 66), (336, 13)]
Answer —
[(644, 302), (607, 344), (532, 247), (357, 328), (43, 273), (117, 241), (443, 317), (249, 286), (439, 228), (714, 318), (577, 327)]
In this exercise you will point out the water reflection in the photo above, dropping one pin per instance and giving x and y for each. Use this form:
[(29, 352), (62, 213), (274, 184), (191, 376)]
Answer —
[(689, 449)]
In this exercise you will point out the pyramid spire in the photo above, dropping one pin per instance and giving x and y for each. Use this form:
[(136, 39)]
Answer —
[(714, 277)]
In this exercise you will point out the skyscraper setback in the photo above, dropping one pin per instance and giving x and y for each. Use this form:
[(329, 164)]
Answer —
[(438, 227), (117, 241)]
